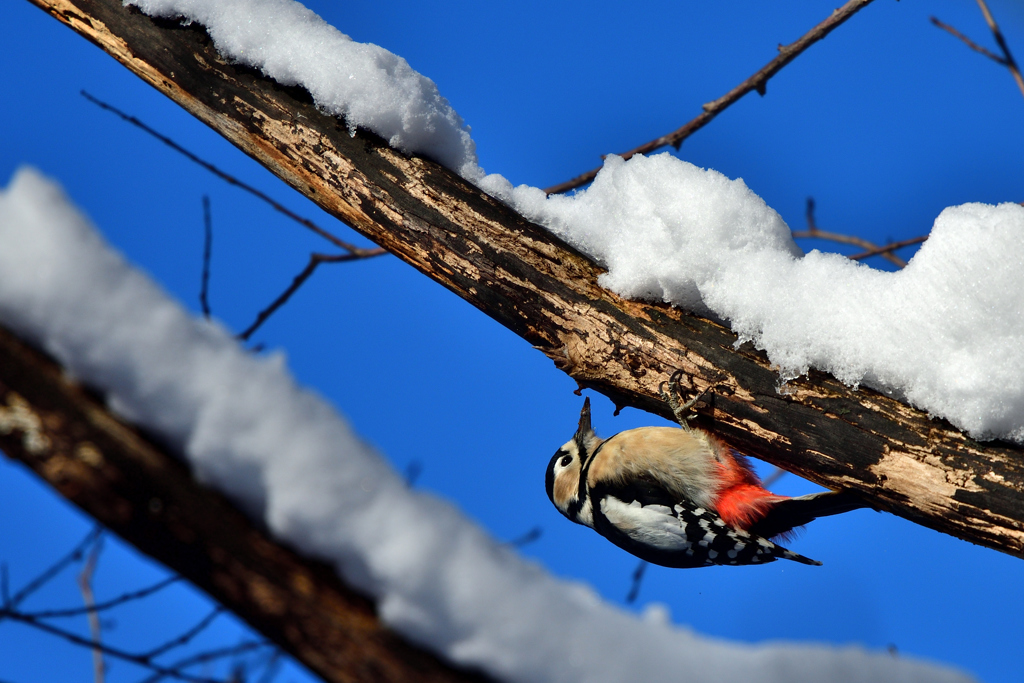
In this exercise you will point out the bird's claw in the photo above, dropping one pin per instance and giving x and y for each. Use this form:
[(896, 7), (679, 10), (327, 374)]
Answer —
[(683, 411)]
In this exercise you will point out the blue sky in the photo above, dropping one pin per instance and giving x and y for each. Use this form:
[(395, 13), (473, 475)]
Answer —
[(885, 123)]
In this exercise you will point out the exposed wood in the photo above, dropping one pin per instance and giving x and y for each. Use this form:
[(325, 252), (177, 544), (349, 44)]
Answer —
[(146, 496), (895, 456)]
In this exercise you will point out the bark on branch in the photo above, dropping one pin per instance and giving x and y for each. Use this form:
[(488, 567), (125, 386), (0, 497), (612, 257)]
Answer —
[(895, 456)]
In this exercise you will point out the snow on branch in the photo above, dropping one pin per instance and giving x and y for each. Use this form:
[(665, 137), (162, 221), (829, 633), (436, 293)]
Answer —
[(669, 231)]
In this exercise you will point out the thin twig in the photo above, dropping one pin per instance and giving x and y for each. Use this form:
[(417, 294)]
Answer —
[(114, 652), (888, 248), (204, 289), (208, 656), (812, 224), (109, 604), (758, 81), (41, 580), (352, 251), (776, 474), (271, 668), (341, 244), (412, 472), (638, 577), (85, 585), (871, 249), (529, 537), (185, 637), (1006, 60), (314, 261), (970, 43), (1011, 63)]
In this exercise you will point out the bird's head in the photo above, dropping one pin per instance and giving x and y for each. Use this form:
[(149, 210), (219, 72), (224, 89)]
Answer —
[(562, 480)]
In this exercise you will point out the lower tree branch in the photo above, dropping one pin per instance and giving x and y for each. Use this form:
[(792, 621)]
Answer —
[(896, 457), (146, 496)]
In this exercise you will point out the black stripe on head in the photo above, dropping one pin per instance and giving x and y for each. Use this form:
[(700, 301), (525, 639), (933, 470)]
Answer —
[(573, 511), (585, 463)]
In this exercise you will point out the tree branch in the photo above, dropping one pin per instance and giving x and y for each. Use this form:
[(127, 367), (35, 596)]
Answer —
[(106, 604), (145, 495), (758, 81), (870, 248), (204, 286), (896, 457), (9, 426), (886, 248), (1006, 60), (230, 179), (968, 42), (300, 279), (85, 586), (114, 652)]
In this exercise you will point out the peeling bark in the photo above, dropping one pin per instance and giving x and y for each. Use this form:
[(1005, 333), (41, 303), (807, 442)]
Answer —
[(895, 456)]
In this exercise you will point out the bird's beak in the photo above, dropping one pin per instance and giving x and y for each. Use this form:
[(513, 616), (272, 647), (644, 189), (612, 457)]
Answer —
[(584, 430)]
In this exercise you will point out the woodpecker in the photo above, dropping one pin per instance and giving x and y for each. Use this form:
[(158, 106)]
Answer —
[(678, 497)]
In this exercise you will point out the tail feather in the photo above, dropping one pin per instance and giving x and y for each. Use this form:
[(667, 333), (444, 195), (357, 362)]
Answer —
[(787, 514)]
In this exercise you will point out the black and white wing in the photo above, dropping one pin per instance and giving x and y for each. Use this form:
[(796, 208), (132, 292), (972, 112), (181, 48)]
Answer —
[(678, 534)]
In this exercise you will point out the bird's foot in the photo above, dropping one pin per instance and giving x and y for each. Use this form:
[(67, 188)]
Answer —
[(682, 410)]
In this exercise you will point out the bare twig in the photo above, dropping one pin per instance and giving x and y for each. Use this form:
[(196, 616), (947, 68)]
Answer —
[(185, 637), (92, 609), (145, 659), (842, 238), (638, 577), (758, 81), (412, 472), (1011, 63), (352, 251), (271, 668), (776, 474), (85, 585), (208, 656), (341, 244), (114, 652), (1006, 60), (314, 261), (888, 248), (41, 580), (870, 248), (109, 604), (204, 290), (529, 537), (970, 43)]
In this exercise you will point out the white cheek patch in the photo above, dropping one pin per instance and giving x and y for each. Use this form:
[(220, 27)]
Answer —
[(651, 525)]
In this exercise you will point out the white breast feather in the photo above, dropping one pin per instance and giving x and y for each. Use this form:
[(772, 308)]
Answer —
[(651, 525)]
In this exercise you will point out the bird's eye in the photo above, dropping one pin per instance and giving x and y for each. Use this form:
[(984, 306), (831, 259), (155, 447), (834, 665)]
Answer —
[(566, 460)]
